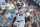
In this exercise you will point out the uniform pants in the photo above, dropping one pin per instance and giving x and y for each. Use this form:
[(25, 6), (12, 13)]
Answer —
[(21, 24)]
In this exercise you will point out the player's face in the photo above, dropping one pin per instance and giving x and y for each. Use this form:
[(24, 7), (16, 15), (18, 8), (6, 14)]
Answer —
[(19, 6)]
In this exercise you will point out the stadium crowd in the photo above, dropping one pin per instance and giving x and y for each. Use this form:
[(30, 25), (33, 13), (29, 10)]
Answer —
[(7, 13)]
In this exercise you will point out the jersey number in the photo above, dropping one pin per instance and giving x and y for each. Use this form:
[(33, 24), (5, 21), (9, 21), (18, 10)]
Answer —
[(20, 14)]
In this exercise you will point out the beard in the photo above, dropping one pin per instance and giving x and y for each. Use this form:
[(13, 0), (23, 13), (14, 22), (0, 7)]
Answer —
[(19, 8)]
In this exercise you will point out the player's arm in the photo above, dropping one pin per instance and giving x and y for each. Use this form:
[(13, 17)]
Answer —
[(14, 16)]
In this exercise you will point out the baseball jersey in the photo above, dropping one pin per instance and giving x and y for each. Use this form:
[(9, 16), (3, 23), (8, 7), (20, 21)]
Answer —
[(20, 14)]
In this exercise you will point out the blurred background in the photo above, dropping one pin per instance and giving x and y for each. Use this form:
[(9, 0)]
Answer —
[(7, 12)]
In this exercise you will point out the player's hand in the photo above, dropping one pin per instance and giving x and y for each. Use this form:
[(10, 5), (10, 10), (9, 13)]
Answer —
[(26, 16), (15, 23)]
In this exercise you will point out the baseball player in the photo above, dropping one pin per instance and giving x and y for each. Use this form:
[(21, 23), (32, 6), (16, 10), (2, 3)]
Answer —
[(20, 16)]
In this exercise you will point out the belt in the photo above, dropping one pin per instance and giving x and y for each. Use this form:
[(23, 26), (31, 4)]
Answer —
[(20, 21)]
